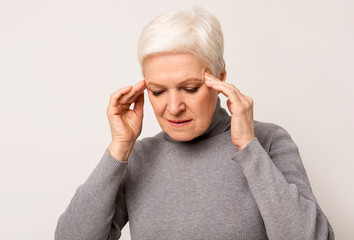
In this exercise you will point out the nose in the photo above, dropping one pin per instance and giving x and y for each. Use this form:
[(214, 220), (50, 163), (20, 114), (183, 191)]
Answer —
[(175, 103)]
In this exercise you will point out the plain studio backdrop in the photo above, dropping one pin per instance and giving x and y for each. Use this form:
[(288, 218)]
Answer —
[(61, 60)]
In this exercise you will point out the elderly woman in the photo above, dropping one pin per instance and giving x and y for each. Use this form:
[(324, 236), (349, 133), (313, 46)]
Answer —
[(207, 175)]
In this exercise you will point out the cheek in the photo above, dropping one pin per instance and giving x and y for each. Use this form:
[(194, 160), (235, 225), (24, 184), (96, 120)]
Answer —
[(156, 104), (204, 102), (209, 103), (207, 97)]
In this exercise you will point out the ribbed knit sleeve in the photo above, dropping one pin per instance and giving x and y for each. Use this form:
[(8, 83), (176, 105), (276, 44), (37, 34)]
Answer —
[(90, 212), (279, 184)]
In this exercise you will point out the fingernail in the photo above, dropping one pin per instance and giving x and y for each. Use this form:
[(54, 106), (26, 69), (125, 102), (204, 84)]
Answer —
[(207, 78)]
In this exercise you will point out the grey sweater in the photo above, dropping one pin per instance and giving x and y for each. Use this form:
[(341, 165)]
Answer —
[(202, 189)]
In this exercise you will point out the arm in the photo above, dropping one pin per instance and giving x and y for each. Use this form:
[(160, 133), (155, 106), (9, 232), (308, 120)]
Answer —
[(101, 198), (90, 212), (277, 181), (281, 189)]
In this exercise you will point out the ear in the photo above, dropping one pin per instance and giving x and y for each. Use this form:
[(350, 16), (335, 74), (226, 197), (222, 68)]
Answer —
[(223, 73)]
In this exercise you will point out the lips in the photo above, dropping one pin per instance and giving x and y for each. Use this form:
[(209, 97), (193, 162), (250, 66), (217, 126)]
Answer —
[(179, 123)]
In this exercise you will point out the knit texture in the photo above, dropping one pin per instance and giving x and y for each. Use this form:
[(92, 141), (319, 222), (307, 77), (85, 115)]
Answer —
[(202, 189)]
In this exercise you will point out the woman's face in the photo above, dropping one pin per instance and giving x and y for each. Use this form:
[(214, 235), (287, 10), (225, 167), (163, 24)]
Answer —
[(182, 103)]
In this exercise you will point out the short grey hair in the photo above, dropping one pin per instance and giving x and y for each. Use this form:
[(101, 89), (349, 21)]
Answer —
[(194, 31)]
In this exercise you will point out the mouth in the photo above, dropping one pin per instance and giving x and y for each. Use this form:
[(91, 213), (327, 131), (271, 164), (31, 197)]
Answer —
[(179, 123)]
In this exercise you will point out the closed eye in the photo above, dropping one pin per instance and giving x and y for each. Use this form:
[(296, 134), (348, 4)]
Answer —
[(191, 90), (157, 93)]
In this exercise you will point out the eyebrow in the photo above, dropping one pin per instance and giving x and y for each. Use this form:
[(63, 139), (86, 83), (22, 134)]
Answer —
[(188, 80)]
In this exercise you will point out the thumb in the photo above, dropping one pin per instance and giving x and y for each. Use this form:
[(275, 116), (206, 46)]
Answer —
[(229, 105)]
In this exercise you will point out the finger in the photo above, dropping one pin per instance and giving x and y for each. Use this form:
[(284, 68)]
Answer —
[(203, 74), (133, 98), (210, 77), (213, 79), (137, 89), (113, 101), (227, 89), (139, 105)]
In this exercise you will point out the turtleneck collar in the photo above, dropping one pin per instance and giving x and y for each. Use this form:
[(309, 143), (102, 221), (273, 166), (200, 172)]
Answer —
[(220, 122)]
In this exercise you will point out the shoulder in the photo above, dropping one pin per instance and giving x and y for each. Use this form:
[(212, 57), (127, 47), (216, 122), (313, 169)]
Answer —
[(148, 142), (144, 147), (266, 129), (267, 133)]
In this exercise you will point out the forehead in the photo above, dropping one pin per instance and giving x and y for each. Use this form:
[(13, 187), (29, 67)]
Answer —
[(172, 67)]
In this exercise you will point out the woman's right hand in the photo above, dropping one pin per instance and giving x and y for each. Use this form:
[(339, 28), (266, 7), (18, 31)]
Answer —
[(125, 123)]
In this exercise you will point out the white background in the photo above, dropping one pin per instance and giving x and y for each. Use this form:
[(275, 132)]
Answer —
[(61, 60)]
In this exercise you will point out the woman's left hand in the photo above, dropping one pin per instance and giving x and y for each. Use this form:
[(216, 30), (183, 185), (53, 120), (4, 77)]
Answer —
[(240, 107)]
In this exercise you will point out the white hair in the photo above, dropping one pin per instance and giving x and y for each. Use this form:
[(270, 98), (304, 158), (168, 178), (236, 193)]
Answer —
[(194, 31)]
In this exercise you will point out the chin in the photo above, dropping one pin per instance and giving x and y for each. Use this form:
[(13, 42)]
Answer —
[(181, 137)]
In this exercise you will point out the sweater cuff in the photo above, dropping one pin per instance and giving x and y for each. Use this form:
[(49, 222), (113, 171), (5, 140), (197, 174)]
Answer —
[(108, 170), (108, 157), (253, 148), (110, 166)]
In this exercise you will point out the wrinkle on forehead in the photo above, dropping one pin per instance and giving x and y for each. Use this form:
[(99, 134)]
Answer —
[(184, 82), (173, 69)]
